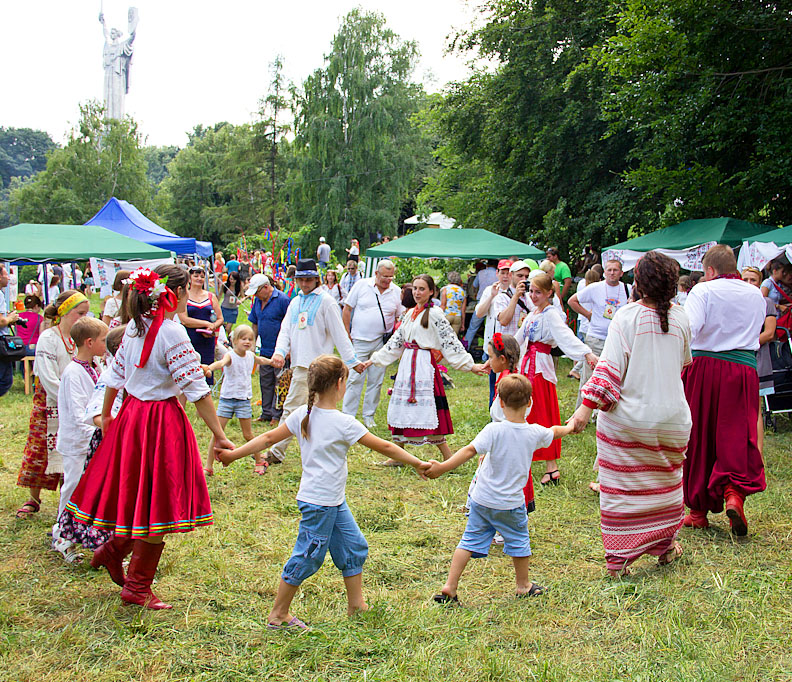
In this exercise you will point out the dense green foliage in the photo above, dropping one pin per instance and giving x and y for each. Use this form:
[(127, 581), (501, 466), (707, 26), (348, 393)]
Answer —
[(23, 152), (102, 158)]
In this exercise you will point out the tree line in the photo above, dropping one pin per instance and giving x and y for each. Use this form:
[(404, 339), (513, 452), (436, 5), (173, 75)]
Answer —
[(582, 121)]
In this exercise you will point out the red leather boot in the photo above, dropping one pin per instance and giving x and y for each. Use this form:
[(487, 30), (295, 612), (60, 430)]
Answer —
[(111, 555), (696, 519), (142, 566), (734, 510)]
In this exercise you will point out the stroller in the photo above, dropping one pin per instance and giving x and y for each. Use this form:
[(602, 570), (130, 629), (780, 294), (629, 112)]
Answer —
[(779, 402)]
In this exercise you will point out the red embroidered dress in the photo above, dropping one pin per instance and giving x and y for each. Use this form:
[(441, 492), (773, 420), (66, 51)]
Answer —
[(146, 477)]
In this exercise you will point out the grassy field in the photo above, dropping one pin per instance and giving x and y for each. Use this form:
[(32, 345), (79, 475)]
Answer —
[(723, 612)]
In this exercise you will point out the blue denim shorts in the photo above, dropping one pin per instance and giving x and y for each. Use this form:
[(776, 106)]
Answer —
[(323, 529), (235, 407), (482, 523)]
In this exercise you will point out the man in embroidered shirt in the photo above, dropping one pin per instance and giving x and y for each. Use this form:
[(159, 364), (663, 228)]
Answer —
[(376, 304), (312, 327), (598, 303), (267, 313), (723, 462), (350, 279)]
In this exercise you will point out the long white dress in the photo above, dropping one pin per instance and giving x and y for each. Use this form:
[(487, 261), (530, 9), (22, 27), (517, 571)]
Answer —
[(415, 396)]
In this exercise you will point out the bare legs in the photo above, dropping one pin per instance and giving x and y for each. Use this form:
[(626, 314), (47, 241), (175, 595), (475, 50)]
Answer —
[(280, 609), (210, 458), (460, 560)]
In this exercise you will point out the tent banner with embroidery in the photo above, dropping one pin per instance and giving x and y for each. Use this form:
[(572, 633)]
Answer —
[(686, 242), (468, 244), (759, 250)]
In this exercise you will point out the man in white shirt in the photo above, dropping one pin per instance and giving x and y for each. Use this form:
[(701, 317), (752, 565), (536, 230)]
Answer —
[(598, 303), (484, 309), (512, 306), (484, 278), (323, 253), (312, 327), (376, 303), (351, 278), (723, 463)]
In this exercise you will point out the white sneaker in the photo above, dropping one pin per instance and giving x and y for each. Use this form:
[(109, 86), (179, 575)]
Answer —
[(369, 422), (498, 539)]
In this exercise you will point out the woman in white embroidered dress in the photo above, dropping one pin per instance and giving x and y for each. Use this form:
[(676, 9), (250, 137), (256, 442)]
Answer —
[(42, 466), (543, 330), (418, 410)]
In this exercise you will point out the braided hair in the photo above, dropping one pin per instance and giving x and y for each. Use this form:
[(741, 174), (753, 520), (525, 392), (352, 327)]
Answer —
[(506, 346), (656, 277), (432, 288), (323, 375)]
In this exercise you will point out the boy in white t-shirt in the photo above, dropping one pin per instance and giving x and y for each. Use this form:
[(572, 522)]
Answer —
[(497, 503)]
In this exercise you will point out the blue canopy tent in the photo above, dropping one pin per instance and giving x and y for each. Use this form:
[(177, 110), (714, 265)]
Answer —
[(123, 218)]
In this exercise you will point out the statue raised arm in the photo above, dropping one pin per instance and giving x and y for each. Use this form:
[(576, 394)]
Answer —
[(117, 57)]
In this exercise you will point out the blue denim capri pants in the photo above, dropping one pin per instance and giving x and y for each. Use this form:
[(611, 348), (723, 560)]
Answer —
[(322, 529)]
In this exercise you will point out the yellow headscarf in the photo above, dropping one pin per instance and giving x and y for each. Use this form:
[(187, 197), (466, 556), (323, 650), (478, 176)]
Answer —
[(68, 305)]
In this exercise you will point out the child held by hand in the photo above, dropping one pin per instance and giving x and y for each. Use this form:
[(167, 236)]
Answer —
[(497, 503), (236, 391), (325, 435)]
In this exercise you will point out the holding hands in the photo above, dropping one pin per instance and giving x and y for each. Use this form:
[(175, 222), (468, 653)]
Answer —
[(592, 360), (580, 419)]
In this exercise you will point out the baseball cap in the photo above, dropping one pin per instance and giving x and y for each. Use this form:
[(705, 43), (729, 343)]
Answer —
[(505, 263), (255, 283), (519, 265), (321, 239)]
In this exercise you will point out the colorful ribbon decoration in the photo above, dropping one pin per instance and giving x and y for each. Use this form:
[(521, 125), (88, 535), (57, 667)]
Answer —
[(298, 254), (68, 305), (167, 302), (267, 234), (289, 244)]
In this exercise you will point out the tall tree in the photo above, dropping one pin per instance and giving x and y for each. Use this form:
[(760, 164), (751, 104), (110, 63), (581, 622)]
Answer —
[(157, 160), (523, 148), (705, 89), (103, 158), (23, 152), (356, 149)]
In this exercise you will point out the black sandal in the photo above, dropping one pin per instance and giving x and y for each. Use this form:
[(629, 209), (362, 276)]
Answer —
[(446, 600), (554, 479), (534, 591)]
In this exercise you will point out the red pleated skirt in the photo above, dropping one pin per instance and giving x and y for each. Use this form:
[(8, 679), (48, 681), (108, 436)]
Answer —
[(146, 478), (723, 448), (545, 412)]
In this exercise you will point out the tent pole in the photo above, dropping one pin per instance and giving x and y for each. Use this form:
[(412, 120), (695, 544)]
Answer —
[(46, 284)]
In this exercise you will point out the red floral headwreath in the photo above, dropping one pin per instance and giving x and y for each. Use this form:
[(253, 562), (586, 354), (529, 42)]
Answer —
[(497, 342)]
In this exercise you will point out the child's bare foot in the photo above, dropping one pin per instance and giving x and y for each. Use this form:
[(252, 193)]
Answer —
[(352, 609), (618, 573), (594, 486)]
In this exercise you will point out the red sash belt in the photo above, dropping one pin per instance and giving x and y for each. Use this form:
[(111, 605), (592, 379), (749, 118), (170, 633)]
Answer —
[(530, 357), (414, 346)]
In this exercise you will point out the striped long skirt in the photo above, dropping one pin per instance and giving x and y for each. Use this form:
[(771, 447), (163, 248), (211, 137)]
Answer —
[(640, 472)]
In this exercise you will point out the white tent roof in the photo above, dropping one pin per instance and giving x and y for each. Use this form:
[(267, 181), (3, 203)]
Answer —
[(436, 218)]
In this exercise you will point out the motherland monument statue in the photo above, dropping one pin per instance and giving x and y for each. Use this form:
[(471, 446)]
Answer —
[(117, 57)]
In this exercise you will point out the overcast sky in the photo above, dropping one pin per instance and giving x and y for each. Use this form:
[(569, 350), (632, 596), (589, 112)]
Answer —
[(201, 61)]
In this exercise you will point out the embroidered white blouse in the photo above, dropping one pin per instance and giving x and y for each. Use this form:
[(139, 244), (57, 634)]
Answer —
[(549, 327), (438, 335), (51, 359), (172, 368)]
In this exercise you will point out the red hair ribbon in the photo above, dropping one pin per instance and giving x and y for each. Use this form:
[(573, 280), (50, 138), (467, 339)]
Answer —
[(497, 342), (166, 302)]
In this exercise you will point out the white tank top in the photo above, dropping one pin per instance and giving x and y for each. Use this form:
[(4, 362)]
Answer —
[(237, 377)]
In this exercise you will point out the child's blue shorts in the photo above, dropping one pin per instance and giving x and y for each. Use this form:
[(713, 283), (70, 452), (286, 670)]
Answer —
[(322, 529), (482, 523), (235, 407)]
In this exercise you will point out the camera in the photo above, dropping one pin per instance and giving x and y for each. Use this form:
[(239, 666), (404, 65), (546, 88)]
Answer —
[(21, 323)]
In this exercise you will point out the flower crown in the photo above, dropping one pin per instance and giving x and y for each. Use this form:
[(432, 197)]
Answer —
[(148, 282)]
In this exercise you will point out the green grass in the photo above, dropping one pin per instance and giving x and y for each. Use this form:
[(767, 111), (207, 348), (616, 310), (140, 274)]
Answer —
[(723, 612)]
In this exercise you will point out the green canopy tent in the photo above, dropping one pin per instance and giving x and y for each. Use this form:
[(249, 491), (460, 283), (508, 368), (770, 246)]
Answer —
[(760, 249), (27, 243), (686, 242), (468, 244)]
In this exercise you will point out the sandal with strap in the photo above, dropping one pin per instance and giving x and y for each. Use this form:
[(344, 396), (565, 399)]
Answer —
[(446, 599), (69, 551), (28, 509), (671, 555), (294, 623), (261, 467), (534, 591)]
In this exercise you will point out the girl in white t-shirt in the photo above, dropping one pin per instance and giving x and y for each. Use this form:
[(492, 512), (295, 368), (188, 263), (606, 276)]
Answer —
[(325, 435), (236, 391)]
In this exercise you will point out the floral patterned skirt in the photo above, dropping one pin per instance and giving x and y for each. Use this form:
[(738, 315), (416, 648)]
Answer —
[(35, 457)]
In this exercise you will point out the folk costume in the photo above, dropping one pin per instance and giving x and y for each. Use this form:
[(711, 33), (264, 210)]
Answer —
[(418, 409), (311, 327), (42, 464), (146, 478), (643, 428), (722, 389), (539, 334)]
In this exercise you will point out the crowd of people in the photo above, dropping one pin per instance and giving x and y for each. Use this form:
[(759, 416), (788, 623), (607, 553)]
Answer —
[(668, 366)]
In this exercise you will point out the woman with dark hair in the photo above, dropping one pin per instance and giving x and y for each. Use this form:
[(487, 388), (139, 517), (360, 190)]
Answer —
[(644, 420), (145, 479), (232, 292), (418, 409), (202, 317)]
